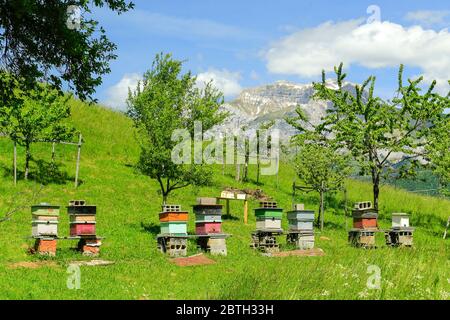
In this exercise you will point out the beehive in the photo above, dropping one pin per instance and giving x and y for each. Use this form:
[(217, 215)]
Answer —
[(301, 215), (209, 209), (269, 213), (263, 223), (173, 216), (364, 216), (400, 220), (296, 225), (174, 228), (44, 228), (45, 212), (208, 227), (208, 218), (87, 228)]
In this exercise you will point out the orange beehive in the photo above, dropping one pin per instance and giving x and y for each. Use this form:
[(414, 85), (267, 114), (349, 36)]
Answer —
[(173, 216), (365, 223)]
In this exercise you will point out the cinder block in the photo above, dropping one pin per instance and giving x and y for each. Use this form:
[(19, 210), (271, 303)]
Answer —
[(171, 208), (206, 201), (364, 205), (77, 202), (268, 204), (91, 250)]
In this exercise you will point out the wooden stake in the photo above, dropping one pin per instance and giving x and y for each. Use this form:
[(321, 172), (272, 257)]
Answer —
[(245, 211), (15, 163), (78, 160), (53, 152)]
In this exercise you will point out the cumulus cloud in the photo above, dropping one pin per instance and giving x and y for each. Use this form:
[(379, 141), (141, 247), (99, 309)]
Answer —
[(117, 95), (224, 80), (374, 45), (428, 18)]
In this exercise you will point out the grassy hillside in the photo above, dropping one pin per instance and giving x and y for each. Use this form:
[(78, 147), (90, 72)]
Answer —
[(128, 206)]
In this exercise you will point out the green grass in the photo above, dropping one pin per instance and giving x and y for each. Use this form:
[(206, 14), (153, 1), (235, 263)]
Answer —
[(128, 206)]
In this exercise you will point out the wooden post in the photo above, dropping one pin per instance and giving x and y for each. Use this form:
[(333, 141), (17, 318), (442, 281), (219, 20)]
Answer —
[(446, 228), (245, 211), (322, 213), (78, 160), (15, 163)]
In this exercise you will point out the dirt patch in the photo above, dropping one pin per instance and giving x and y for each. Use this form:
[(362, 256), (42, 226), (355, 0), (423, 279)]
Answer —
[(316, 252), (256, 194), (197, 260), (32, 265)]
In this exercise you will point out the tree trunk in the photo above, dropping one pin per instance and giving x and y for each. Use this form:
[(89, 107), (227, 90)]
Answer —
[(165, 196), (376, 188), (27, 160), (322, 215), (258, 164)]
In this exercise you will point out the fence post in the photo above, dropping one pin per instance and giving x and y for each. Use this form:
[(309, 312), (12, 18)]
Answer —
[(15, 163), (78, 160)]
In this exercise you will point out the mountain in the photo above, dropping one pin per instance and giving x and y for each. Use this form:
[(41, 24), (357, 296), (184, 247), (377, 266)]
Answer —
[(274, 101)]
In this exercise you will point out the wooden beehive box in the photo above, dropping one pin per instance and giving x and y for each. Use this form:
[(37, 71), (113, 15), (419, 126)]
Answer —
[(208, 218), (269, 212), (202, 228), (301, 215), (174, 228), (82, 228), (365, 223), (296, 225), (43, 211), (206, 201), (400, 220), (210, 209), (173, 216), (44, 228), (268, 223)]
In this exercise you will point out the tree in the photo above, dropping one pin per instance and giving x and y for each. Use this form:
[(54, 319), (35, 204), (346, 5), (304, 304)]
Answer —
[(165, 101), (318, 163), (40, 41), (36, 115), (374, 130), (264, 126)]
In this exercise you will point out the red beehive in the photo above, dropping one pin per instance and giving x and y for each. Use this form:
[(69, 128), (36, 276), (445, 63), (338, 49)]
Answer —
[(208, 227), (365, 223), (82, 229)]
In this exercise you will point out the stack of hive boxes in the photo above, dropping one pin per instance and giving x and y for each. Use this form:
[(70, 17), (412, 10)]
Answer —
[(301, 227), (365, 224), (268, 216), (82, 219), (208, 216), (173, 225), (173, 221), (401, 234), (208, 226), (45, 228), (268, 226)]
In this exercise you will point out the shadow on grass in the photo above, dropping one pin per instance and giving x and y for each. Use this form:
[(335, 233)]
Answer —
[(229, 217), (43, 172), (150, 228)]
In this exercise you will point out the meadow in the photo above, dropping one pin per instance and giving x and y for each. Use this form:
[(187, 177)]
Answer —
[(128, 205)]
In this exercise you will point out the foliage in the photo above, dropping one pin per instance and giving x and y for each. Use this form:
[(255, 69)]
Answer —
[(165, 101), (374, 131), (35, 115), (37, 44)]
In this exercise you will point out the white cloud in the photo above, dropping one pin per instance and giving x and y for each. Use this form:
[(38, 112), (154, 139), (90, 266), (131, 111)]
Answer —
[(224, 80), (428, 18), (117, 95), (375, 45)]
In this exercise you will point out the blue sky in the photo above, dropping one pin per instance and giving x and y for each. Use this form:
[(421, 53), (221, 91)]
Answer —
[(242, 44)]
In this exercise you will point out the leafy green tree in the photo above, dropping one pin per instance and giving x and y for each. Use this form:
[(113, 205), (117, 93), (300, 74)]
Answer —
[(167, 100), (39, 40), (320, 166), (374, 130), (37, 115)]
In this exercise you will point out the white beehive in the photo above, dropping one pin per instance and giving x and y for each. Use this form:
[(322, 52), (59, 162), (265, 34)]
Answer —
[(44, 228), (400, 220)]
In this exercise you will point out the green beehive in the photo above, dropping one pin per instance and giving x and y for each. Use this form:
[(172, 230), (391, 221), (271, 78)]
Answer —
[(173, 228), (269, 213)]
